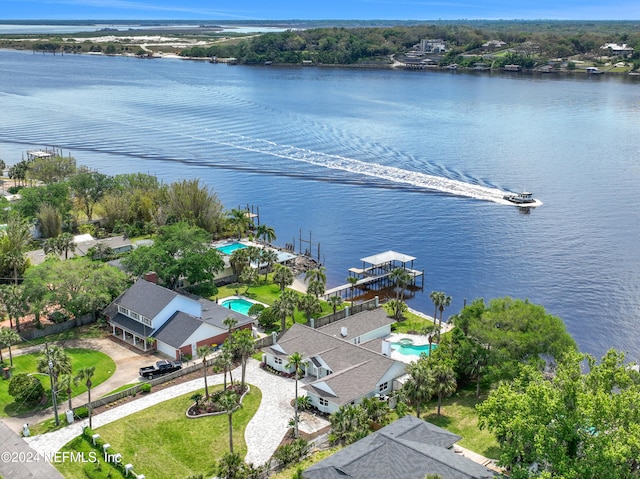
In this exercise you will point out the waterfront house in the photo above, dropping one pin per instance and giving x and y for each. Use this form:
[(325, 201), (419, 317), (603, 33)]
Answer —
[(178, 323), (408, 448), (614, 49), (339, 367)]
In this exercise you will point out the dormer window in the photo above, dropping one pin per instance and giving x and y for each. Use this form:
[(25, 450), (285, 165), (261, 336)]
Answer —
[(133, 315)]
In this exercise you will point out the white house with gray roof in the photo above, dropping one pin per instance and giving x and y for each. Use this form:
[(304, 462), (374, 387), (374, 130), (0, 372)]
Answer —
[(178, 323), (342, 372)]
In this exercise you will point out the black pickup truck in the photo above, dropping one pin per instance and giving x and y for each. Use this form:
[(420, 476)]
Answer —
[(160, 368)]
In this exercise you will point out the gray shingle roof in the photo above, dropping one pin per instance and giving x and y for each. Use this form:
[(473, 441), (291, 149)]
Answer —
[(146, 298), (177, 329), (399, 451), (359, 324), (356, 370), (215, 314), (131, 325)]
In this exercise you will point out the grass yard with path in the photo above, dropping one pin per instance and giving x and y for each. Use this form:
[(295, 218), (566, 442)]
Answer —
[(161, 442), (80, 358)]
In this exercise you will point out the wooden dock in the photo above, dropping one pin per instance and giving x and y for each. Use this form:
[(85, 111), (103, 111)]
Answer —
[(375, 273)]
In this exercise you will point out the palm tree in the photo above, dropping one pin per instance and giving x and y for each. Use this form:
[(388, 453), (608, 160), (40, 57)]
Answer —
[(267, 233), (228, 402), (317, 279), (59, 359), (226, 359), (203, 352), (245, 347), (85, 374), (352, 280), (418, 389), (268, 257), (377, 411), (436, 297), (444, 381), (282, 276), (223, 362), (295, 361), (12, 297), (66, 244), (335, 302), (8, 337), (229, 322), (18, 237), (310, 305), (444, 303), (249, 276), (401, 278), (239, 260), (239, 221), (229, 466), (285, 306), (349, 424)]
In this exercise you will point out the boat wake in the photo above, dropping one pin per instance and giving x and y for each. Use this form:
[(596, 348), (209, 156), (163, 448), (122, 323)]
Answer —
[(375, 170)]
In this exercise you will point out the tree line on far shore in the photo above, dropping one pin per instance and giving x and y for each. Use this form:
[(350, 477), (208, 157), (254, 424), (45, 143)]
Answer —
[(534, 43)]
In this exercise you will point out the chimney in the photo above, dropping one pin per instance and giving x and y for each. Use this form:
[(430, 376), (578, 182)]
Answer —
[(152, 277), (343, 331)]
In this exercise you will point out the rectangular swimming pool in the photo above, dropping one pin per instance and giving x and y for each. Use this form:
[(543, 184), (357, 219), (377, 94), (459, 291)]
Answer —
[(230, 248)]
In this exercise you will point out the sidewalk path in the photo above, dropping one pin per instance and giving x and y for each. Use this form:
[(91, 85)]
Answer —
[(263, 433)]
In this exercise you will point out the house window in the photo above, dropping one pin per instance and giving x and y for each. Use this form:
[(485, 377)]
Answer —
[(323, 402), (277, 360), (133, 315), (383, 387)]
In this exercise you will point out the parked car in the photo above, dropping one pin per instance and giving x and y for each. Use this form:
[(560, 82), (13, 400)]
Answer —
[(160, 368)]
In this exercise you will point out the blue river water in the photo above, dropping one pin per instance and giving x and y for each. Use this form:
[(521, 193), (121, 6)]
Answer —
[(372, 160)]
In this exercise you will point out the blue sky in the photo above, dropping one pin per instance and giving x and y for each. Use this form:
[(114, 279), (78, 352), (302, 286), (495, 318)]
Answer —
[(323, 9)]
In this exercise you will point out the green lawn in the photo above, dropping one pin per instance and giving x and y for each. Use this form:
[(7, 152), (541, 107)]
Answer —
[(266, 293), (162, 443), (105, 367), (412, 322), (460, 417)]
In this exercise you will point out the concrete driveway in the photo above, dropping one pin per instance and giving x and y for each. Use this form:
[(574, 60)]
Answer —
[(128, 362)]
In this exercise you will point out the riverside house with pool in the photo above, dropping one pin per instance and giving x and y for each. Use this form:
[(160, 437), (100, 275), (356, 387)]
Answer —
[(343, 361), (178, 323)]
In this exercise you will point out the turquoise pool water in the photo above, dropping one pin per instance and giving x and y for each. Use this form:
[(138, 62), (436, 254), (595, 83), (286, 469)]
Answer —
[(412, 350), (231, 247), (239, 305)]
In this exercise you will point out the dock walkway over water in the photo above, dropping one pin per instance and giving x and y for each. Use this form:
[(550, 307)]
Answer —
[(376, 271)]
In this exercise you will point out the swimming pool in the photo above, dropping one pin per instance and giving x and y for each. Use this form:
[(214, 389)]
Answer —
[(412, 349), (230, 248), (238, 305)]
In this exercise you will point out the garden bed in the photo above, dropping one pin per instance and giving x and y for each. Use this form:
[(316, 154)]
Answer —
[(211, 408)]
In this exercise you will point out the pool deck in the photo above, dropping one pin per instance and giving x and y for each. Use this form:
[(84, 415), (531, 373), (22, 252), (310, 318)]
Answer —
[(417, 341)]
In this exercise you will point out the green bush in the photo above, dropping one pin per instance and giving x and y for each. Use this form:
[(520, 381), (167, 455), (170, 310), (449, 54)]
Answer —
[(26, 389), (145, 388), (292, 452), (81, 412)]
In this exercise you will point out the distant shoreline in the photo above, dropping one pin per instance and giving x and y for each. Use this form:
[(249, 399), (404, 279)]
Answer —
[(363, 66)]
